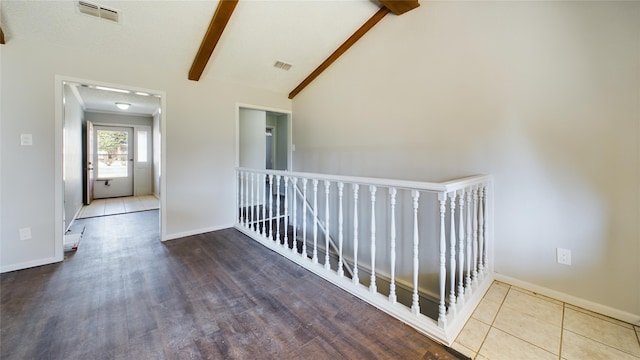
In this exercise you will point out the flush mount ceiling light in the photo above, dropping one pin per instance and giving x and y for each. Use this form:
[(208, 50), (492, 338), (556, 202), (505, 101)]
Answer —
[(122, 106), (110, 89)]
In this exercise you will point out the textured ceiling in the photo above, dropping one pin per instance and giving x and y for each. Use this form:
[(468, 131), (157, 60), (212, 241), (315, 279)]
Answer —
[(105, 100), (300, 32)]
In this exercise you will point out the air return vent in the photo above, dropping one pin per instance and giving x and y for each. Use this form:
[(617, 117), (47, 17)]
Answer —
[(98, 11), (282, 65)]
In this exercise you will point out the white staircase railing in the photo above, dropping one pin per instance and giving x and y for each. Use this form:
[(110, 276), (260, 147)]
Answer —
[(426, 247)]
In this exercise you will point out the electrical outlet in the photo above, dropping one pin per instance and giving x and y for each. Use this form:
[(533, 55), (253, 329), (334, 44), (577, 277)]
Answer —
[(25, 233), (563, 256)]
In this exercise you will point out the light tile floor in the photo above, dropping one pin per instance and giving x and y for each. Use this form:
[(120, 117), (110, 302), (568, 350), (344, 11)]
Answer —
[(513, 323), (102, 207)]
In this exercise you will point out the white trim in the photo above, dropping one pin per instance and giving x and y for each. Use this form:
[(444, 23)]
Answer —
[(58, 182), (163, 166), (59, 82), (75, 217), (446, 187), (621, 315), (196, 232), (29, 264), (132, 114), (264, 108)]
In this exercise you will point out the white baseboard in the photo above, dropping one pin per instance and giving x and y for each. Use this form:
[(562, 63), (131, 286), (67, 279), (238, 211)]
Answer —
[(29, 264), (573, 300), (74, 219), (196, 232)]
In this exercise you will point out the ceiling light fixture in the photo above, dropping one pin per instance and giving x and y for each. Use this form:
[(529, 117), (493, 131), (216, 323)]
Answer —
[(122, 106), (112, 89)]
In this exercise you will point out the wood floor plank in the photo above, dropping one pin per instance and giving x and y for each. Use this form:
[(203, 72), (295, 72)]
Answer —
[(126, 295)]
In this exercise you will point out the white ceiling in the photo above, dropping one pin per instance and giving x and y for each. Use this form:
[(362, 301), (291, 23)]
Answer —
[(105, 101), (168, 34)]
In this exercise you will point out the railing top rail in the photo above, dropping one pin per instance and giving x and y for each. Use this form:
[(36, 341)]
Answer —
[(448, 186)]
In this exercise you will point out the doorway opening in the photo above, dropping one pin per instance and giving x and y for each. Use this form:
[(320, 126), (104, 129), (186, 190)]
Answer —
[(105, 151), (263, 138)]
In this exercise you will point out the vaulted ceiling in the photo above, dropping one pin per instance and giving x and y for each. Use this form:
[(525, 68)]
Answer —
[(167, 34)]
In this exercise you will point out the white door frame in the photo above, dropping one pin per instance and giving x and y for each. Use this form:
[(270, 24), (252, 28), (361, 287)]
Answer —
[(59, 227), (116, 182), (274, 110)]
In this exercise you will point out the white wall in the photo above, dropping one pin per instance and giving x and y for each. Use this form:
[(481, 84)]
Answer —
[(543, 95), (200, 146), (73, 164), (252, 124)]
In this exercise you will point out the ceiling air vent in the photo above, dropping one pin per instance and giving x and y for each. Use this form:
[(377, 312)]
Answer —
[(98, 11), (282, 65)]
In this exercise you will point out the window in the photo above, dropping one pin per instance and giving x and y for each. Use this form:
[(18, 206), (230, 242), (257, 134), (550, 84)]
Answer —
[(142, 146)]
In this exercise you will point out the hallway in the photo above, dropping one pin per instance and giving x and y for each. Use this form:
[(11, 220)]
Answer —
[(121, 205)]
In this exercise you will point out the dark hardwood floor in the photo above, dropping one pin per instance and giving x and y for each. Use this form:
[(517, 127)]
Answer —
[(125, 295)]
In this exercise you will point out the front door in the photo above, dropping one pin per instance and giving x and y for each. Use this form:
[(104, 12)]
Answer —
[(113, 161)]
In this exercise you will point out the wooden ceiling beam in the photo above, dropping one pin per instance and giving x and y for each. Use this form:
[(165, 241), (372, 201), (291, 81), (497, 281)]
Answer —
[(214, 32), (397, 7), (400, 7), (341, 50)]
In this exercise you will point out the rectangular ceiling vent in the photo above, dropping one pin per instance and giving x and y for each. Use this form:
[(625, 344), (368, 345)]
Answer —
[(98, 11), (282, 65)]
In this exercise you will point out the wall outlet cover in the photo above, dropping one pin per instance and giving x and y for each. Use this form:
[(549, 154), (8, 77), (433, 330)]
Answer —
[(25, 233), (563, 256)]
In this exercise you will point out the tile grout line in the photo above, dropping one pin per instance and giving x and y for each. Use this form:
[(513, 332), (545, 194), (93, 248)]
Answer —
[(516, 336), (562, 330), (494, 320)]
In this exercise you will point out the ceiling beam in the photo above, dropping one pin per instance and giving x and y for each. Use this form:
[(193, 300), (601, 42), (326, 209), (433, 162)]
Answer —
[(341, 50), (397, 7), (2, 42), (214, 32), (400, 7)]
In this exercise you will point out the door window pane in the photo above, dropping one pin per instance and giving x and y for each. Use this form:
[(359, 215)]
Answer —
[(113, 154)]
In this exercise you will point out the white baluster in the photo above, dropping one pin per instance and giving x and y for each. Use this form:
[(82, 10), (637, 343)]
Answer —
[(480, 230), (460, 299), (469, 240), (315, 221), (304, 218), (271, 206), (256, 200), (442, 317), (415, 304), (242, 218), (474, 274), (372, 282), (246, 199), (250, 199), (277, 219), (484, 227), (355, 278), (327, 184), (264, 205), (294, 241), (393, 298), (452, 261), (286, 212), (340, 230)]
